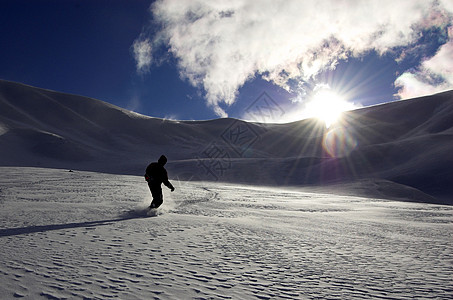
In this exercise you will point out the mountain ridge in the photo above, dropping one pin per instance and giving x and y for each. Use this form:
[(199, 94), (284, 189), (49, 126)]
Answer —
[(408, 142)]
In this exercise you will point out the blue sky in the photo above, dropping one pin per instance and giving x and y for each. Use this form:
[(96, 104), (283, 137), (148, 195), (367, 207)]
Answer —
[(196, 60)]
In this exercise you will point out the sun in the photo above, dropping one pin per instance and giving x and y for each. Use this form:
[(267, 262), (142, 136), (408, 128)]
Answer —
[(327, 106)]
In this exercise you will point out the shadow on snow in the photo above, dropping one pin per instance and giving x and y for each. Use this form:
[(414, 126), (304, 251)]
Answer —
[(128, 215)]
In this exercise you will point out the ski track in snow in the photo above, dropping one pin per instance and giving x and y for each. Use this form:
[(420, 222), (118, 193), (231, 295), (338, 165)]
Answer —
[(85, 235)]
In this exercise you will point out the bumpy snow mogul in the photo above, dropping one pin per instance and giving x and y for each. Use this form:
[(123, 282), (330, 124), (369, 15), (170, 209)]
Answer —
[(155, 175)]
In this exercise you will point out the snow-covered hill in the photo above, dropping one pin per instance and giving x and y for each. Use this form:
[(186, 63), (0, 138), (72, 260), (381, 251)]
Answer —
[(323, 227), (406, 142)]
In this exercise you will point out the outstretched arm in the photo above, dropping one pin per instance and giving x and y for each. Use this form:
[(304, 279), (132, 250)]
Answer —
[(168, 183)]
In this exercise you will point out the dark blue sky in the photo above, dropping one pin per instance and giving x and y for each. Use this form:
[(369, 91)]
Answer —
[(85, 48)]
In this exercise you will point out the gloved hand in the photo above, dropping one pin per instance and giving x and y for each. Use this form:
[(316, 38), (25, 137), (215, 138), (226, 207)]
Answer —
[(172, 189)]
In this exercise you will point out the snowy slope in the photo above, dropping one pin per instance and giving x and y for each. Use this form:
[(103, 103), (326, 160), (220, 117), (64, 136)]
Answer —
[(406, 142), (84, 235)]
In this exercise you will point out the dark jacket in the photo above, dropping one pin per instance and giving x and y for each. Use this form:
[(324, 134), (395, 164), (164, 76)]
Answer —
[(156, 175)]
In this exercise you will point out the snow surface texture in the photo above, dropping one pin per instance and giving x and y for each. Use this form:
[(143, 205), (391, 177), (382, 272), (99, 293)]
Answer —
[(86, 235), (405, 143)]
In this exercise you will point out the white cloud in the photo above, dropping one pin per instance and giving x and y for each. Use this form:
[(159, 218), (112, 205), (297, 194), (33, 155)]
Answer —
[(142, 54), (219, 45), (435, 74)]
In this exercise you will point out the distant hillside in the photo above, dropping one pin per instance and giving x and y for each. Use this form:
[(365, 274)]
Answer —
[(408, 142)]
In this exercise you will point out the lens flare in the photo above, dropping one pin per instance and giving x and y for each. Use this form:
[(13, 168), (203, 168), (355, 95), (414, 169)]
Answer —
[(338, 142)]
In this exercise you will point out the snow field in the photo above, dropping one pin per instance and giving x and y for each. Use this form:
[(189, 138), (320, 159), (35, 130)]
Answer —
[(84, 235)]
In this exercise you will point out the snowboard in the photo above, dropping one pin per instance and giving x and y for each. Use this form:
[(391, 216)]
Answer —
[(152, 212)]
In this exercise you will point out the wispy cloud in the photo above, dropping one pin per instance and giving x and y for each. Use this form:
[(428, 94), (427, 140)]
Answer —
[(142, 54), (219, 45)]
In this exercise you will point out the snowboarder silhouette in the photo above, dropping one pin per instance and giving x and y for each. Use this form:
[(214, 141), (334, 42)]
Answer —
[(156, 175)]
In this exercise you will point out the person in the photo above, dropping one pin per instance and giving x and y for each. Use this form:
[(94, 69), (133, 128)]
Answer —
[(155, 175)]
